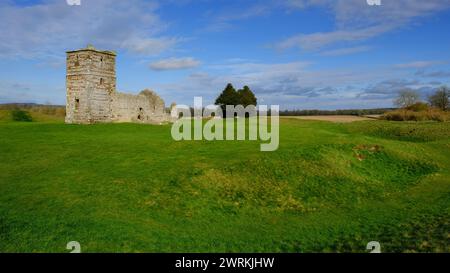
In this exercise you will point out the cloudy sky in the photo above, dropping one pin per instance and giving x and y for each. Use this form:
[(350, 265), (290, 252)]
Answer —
[(299, 54)]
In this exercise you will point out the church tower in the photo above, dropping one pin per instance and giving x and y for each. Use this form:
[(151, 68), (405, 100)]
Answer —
[(90, 85)]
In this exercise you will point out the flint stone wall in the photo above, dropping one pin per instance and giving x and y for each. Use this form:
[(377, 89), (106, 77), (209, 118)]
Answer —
[(92, 96), (147, 107)]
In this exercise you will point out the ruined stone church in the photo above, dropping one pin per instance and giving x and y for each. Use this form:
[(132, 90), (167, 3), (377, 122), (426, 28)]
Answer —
[(92, 96)]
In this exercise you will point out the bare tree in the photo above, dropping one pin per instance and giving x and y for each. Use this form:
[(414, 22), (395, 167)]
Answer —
[(406, 98), (440, 98)]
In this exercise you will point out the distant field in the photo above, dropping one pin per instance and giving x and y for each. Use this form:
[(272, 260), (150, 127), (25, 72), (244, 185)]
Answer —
[(39, 114), (337, 118), (330, 187)]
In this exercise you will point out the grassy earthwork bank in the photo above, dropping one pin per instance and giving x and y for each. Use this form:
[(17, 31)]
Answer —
[(130, 188)]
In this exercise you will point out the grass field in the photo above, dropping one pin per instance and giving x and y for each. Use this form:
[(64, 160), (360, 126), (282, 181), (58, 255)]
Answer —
[(130, 188), (333, 118)]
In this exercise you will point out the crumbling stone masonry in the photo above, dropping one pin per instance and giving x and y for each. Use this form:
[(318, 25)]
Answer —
[(92, 95)]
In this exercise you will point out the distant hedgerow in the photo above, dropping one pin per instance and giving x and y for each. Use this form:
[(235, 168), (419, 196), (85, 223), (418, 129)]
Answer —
[(20, 115), (410, 115)]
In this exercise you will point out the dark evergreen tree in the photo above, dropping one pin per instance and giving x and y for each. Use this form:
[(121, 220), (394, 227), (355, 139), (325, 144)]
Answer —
[(229, 96), (246, 97)]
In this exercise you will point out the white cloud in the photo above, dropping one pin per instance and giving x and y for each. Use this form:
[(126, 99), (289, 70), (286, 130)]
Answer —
[(388, 89), (443, 74), (345, 51), (319, 40), (419, 64), (356, 21), (149, 46), (300, 85), (175, 63), (18, 92), (253, 11), (286, 84), (50, 28), (224, 19)]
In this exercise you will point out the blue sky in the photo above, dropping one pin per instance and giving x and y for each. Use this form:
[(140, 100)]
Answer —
[(299, 54)]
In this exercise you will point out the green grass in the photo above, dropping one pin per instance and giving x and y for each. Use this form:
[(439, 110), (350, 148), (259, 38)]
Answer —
[(131, 188), (36, 115)]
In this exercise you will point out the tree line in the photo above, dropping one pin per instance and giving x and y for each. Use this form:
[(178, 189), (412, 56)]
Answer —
[(412, 108), (245, 97), (350, 112), (407, 98), (440, 99)]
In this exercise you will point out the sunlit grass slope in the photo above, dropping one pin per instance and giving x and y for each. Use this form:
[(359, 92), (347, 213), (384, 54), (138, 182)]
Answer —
[(131, 188)]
